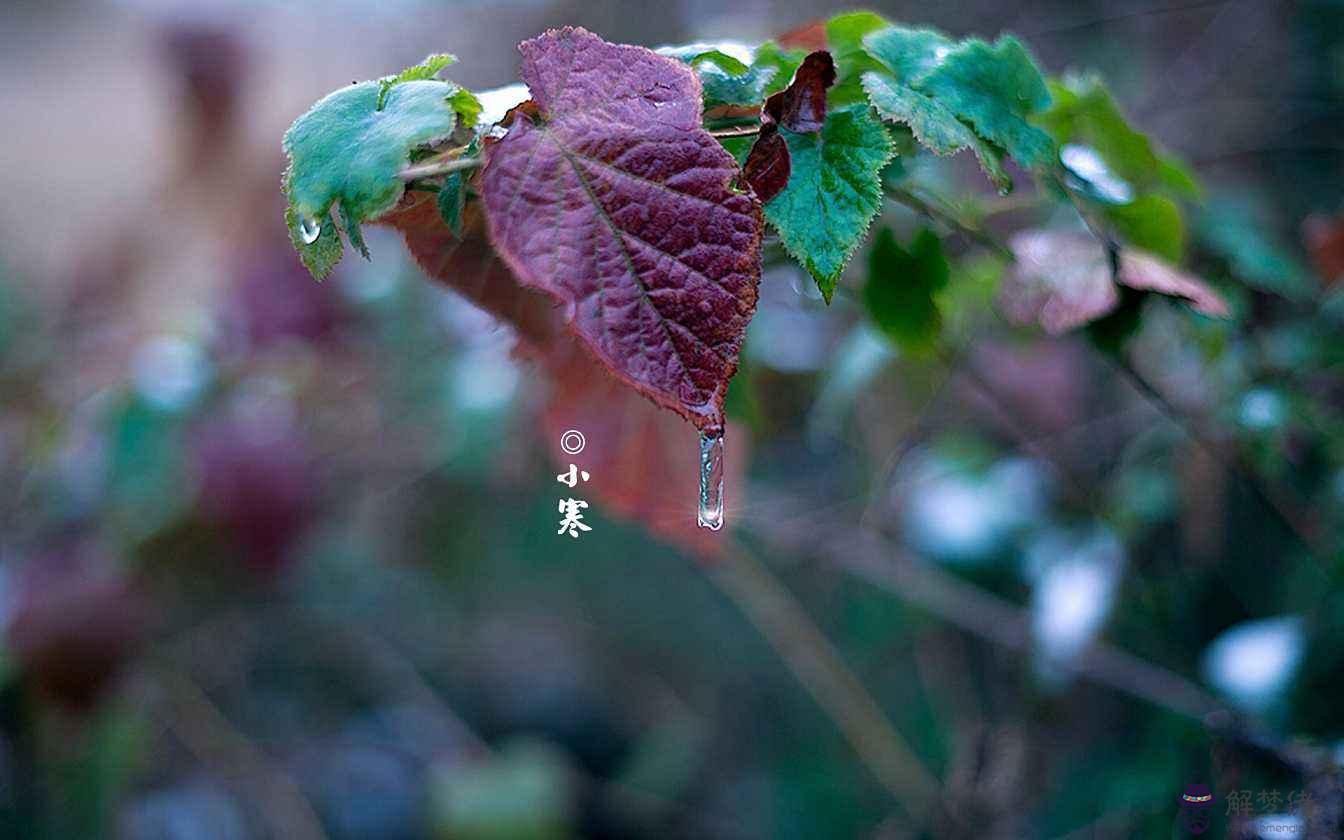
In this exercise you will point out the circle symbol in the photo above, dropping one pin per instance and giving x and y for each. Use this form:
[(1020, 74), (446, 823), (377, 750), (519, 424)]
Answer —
[(572, 442)]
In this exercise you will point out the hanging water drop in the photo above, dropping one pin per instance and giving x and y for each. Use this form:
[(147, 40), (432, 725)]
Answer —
[(710, 514), (309, 230)]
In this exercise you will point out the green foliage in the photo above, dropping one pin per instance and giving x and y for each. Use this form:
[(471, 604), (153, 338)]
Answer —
[(321, 255), (727, 81), (901, 287), (844, 37), (1083, 112), (833, 193), (1151, 222), (452, 197), (996, 89), (467, 106), (956, 96), (784, 61), (427, 69), (348, 151), (932, 124)]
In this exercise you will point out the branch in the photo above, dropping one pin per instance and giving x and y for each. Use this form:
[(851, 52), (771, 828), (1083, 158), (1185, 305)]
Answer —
[(743, 131), (973, 232), (814, 661), (208, 735), (868, 555), (434, 168), (1275, 500)]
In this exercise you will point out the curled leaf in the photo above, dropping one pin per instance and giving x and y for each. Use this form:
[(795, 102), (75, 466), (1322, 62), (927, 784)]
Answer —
[(347, 151), (430, 68), (767, 165), (801, 107), (616, 202), (1062, 280)]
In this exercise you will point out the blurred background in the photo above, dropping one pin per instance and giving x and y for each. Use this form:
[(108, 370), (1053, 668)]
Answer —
[(278, 559)]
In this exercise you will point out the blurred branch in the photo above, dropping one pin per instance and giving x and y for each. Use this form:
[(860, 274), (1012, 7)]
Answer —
[(814, 661), (951, 219), (204, 730), (866, 554), (1274, 498)]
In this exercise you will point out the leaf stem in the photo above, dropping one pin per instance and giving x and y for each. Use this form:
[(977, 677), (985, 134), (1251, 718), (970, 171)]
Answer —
[(949, 218), (740, 131), (438, 167)]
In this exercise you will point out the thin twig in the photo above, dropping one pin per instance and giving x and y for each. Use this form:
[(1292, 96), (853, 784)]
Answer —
[(782, 621), (438, 167), (741, 131), (971, 231), (1274, 499), (866, 553), (204, 730)]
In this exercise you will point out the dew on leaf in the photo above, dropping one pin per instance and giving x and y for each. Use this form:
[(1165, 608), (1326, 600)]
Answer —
[(710, 514), (309, 230)]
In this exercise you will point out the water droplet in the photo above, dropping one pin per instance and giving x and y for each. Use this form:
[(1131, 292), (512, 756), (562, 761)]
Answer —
[(710, 514), (309, 230)]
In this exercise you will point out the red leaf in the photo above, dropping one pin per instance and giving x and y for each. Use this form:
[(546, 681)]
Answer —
[(768, 164), (1147, 273), (801, 107), (809, 36), (1324, 238), (1062, 280), (618, 204), (643, 461), (468, 265)]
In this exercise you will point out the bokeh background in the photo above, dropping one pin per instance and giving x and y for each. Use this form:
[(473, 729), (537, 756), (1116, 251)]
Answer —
[(279, 559)]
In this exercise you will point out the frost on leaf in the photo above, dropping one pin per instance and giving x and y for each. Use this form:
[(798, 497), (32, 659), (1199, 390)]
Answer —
[(346, 152), (1062, 280), (612, 199)]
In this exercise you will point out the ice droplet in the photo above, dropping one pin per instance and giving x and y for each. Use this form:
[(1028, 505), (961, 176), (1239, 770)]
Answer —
[(309, 230), (710, 514)]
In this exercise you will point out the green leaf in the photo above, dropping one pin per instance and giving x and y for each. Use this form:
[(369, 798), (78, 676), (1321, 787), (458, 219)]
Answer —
[(785, 63), (452, 197), (1152, 222), (901, 286), (1083, 112), (833, 193), (347, 151), (1240, 232), (996, 89), (320, 256), (430, 68), (352, 231), (936, 128), (467, 106), (844, 37), (726, 80), (910, 54)]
